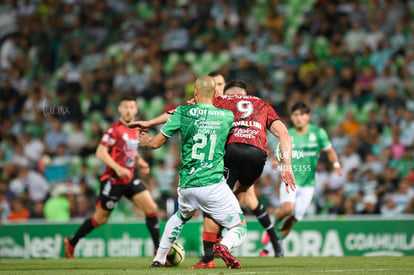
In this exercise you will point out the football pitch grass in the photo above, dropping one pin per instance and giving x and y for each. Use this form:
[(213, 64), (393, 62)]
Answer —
[(250, 265)]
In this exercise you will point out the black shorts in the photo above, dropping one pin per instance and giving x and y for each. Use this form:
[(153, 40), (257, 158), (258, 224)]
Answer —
[(243, 163), (110, 193)]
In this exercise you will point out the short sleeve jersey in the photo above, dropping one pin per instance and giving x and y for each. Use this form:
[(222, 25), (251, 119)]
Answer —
[(204, 129), (122, 144), (252, 116), (305, 153)]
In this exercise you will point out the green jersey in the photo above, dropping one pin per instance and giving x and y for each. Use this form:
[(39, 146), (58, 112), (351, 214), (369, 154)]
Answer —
[(305, 153), (204, 129)]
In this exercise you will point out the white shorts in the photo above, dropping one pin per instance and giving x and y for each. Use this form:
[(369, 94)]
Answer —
[(301, 197), (217, 201)]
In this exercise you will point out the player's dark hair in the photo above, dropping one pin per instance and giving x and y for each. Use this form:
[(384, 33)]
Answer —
[(301, 107), (215, 73), (128, 98), (235, 83)]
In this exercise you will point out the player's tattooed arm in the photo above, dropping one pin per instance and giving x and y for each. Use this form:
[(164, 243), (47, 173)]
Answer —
[(152, 142)]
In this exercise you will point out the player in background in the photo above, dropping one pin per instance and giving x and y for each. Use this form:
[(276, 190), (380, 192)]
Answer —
[(118, 149), (220, 82), (307, 141), (246, 154), (202, 186)]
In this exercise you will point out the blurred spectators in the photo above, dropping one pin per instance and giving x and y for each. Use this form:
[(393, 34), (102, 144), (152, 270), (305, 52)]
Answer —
[(65, 64), (59, 206)]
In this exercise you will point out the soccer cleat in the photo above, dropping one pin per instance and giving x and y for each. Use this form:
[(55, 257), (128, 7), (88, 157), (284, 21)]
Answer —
[(201, 265), (265, 239), (231, 261), (264, 253), (69, 249), (156, 264)]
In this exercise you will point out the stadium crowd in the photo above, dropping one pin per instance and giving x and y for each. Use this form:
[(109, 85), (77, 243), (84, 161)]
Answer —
[(64, 65)]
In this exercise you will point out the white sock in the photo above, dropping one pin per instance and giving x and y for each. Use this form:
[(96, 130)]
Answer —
[(171, 232), (269, 247), (234, 236)]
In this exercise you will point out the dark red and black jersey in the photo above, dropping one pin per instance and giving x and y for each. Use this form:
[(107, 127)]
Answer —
[(252, 116), (122, 143)]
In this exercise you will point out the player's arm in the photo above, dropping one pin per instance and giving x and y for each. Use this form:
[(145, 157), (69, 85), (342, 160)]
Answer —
[(102, 153), (333, 158), (279, 130), (142, 164), (152, 142), (326, 145), (153, 122)]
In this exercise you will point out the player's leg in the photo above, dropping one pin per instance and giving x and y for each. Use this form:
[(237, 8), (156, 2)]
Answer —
[(262, 216), (141, 197), (288, 202), (218, 202), (109, 195), (303, 199), (187, 207), (286, 209), (210, 233)]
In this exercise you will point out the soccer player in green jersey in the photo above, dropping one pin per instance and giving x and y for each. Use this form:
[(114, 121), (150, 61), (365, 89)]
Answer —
[(204, 129), (307, 141)]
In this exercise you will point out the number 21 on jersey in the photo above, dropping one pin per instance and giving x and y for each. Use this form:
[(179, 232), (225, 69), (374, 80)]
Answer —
[(201, 142)]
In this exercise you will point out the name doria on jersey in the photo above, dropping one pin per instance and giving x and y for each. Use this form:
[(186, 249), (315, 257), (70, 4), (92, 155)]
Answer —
[(198, 111), (249, 123)]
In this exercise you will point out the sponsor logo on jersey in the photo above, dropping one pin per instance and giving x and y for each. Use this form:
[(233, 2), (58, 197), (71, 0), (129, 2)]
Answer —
[(130, 149), (198, 111), (244, 133), (211, 124)]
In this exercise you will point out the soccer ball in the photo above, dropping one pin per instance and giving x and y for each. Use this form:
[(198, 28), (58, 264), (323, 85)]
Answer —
[(176, 254)]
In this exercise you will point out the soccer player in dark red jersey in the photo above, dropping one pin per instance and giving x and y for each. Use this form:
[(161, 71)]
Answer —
[(118, 149), (246, 154)]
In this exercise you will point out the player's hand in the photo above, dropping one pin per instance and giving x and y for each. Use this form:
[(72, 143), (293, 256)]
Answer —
[(123, 173), (338, 171), (143, 125), (288, 178), (143, 139), (191, 101)]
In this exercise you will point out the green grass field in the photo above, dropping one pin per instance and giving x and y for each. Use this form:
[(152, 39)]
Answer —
[(251, 265)]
